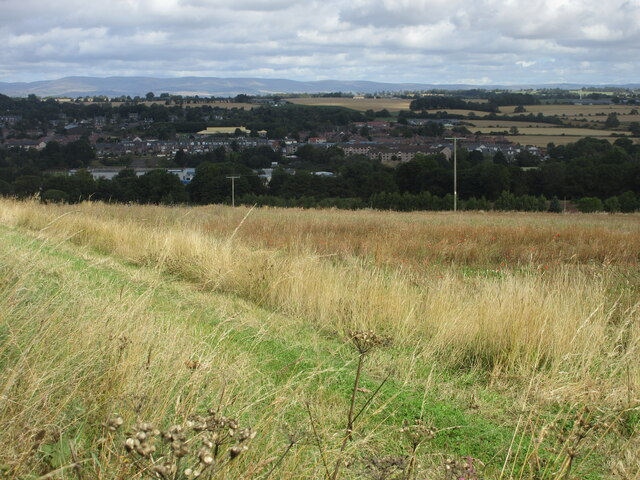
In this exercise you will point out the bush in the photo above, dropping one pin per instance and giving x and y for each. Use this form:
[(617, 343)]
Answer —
[(54, 196), (628, 202), (612, 204), (555, 206), (5, 189), (590, 204)]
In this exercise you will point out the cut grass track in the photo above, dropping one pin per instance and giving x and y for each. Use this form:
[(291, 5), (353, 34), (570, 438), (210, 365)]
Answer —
[(132, 330)]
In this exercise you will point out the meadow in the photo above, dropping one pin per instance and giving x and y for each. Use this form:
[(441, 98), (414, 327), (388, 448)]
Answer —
[(582, 120), (562, 139), (551, 130), (575, 111), (331, 344), (360, 104)]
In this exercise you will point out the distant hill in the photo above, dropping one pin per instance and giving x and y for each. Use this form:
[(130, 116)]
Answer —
[(223, 87)]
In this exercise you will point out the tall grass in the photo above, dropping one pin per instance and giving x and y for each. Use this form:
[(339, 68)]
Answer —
[(77, 346), (565, 317)]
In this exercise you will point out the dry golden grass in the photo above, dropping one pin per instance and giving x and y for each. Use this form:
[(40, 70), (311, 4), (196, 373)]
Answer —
[(552, 130), (453, 111), (362, 104), (626, 118), (544, 140), (521, 302), (414, 240), (75, 352), (551, 301), (573, 110), (507, 124)]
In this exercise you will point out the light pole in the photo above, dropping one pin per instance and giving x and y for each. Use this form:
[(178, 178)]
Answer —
[(455, 170), (233, 189)]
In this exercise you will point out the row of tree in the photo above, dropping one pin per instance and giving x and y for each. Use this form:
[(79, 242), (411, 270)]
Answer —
[(457, 102), (589, 168)]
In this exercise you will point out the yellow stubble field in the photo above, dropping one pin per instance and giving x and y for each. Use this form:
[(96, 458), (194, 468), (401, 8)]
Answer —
[(361, 104)]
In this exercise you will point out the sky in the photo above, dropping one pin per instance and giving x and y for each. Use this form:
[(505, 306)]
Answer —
[(480, 42)]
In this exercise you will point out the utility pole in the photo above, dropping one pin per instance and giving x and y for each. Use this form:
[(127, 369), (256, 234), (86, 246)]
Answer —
[(455, 170), (233, 189)]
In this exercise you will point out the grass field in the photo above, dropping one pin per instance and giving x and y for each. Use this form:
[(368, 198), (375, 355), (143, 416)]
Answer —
[(512, 337), (575, 110), (552, 130), (544, 140), (361, 104), (506, 124)]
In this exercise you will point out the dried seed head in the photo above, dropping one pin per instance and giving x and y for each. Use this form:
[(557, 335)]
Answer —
[(418, 432), (236, 450), (180, 449), (114, 423), (245, 434), (164, 470), (174, 434), (192, 364), (205, 456), (366, 340)]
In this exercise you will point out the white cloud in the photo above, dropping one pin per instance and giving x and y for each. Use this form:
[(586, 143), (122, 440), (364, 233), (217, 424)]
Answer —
[(430, 41)]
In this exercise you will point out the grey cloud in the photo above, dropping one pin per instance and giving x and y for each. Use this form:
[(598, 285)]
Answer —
[(408, 40)]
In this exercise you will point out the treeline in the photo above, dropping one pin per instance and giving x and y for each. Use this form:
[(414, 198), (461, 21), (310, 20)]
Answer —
[(165, 121), (589, 168), (404, 116), (494, 101)]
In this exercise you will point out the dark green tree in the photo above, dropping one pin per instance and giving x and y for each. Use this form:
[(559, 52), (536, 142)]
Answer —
[(554, 205), (160, 186), (612, 121)]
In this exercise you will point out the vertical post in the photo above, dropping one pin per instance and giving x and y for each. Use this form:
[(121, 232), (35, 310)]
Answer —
[(455, 171), (233, 189), (455, 175)]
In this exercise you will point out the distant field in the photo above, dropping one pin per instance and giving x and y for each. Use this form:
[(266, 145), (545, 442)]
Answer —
[(574, 132), (362, 104), (574, 110), (507, 124), (544, 140), (463, 112)]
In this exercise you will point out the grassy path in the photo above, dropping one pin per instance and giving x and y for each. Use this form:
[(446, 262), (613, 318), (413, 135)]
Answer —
[(126, 335)]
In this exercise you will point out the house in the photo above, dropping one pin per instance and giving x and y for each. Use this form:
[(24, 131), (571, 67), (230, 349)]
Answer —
[(397, 153), (9, 119), (184, 174), (24, 143), (356, 149)]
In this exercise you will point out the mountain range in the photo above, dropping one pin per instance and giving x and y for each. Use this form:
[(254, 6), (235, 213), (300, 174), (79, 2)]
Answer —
[(227, 87)]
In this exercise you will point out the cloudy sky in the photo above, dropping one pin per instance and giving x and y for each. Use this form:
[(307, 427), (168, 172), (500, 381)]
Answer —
[(425, 41)]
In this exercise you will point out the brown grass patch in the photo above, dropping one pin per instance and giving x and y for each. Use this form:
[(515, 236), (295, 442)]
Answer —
[(573, 110), (361, 104)]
